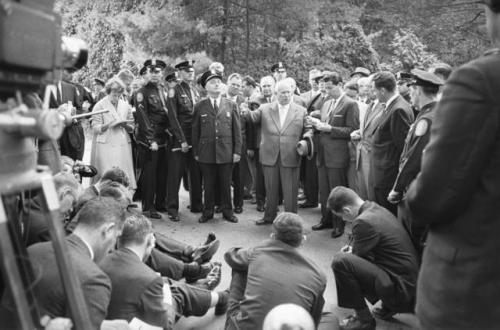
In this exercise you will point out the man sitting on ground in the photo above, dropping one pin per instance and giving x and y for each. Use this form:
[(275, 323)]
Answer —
[(380, 264), (138, 291), (100, 222), (273, 273)]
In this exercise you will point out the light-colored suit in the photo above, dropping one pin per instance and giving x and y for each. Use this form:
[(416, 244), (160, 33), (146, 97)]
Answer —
[(278, 153)]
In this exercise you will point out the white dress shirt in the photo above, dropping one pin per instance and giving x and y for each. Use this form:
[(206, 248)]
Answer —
[(283, 112)]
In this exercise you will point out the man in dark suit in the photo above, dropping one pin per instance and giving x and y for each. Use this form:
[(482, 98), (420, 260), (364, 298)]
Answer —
[(100, 222), (283, 124), (216, 138), (309, 170), (273, 273), (457, 194), (380, 264), (181, 101), (72, 141), (339, 118), (389, 137), (138, 291)]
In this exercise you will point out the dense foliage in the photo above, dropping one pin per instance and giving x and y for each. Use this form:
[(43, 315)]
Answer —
[(248, 36)]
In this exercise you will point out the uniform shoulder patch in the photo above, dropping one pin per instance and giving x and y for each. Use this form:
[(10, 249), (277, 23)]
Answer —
[(422, 127), (139, 97)]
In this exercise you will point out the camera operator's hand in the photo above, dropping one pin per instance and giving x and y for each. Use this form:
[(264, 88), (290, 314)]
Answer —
[(184, 147), (154, 146), (346, 249)]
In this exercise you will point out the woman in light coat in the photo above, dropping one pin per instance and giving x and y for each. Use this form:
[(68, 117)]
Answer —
[(111, 145)]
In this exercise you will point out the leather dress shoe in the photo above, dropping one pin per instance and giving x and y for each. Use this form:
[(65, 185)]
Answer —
[(218, 209), (262, 222), (308, 205), (210, 238), (205, 252), (337, 233), (198, 271), (222, 304), (232, 218), (383, 313), (174, 217), (260, 208), (152, 214), (238, 210), (353, 322), (204, 218), (321, 225), (212, 280), (301, 197), (196, 210)]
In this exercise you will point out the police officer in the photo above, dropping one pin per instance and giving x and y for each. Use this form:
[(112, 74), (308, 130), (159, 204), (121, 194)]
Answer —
[(424, 88), (182, 99), (216, 139), (152, 124)]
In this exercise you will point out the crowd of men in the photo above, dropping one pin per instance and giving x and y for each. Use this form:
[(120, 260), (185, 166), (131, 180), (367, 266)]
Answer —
[(410, 159)]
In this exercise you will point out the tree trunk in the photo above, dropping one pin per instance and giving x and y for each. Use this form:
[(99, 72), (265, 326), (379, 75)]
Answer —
[(247, 51), (225, 28)]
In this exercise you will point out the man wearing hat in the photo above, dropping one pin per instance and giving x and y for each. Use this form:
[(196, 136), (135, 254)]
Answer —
[(360, 72), (152, 119), (279, 71), (216, 140), (182, 99), (98, 91), (313, 82), (339, 118), (424, 89)]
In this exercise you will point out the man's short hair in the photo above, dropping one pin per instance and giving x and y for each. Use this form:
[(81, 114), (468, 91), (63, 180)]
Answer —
[(289, 228), (116, 174), (117, 191), (135, 229), (250, 81), (270, 78), (333, 77), (385, 79), (66, 184), (100, 210), (234, 75), (340, 197)]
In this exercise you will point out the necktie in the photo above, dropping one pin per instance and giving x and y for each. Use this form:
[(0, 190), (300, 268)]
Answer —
[(59, 94), (216, 108)]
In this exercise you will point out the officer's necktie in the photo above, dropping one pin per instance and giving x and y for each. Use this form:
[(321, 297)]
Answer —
[(216, 108)]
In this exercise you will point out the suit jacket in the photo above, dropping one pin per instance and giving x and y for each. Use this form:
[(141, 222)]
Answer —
[(381, 239), (216, 135), (333, 146), (277, 273), (297, 99), (276, 141), (367, 128), (457, 194), (181, 102), (388, 141), (74, 132), (256, 126), (137, 289), (49, 290)]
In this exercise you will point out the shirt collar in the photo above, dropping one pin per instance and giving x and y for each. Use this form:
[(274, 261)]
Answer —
[(217, 100), (284, 107), (88, 247), (389, 101)]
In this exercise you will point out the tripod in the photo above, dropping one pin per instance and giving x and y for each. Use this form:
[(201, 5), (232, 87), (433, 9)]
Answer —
[(18, 173)]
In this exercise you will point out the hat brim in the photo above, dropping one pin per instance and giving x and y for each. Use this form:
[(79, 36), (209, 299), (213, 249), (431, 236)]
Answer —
[(310, 147)]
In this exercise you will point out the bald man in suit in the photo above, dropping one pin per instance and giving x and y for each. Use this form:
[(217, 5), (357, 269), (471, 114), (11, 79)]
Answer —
[(283, 124)]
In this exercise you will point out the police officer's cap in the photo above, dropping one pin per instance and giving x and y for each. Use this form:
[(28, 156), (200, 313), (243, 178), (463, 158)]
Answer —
[(171, 76), (99, 81), (209, 75), (185, 65), (278, 67), (424, 78), (361, 71)]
